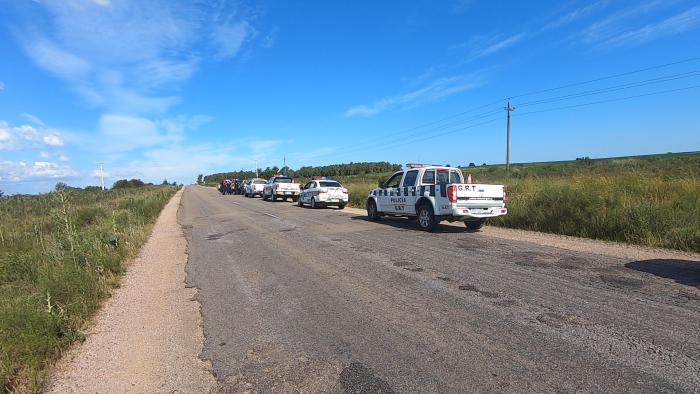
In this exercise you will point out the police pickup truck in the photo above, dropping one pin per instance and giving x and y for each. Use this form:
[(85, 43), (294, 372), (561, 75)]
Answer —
[(281, 186), (434, 193)]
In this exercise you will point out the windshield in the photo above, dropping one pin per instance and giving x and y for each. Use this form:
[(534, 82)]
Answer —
[(260, 182), (329, 184), (283, 180)]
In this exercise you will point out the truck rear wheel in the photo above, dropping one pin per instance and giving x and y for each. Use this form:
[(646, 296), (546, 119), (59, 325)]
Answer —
[(426, 217)]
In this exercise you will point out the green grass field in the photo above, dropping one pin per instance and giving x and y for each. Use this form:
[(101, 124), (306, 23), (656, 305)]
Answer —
[(60, 254), (645, 200)]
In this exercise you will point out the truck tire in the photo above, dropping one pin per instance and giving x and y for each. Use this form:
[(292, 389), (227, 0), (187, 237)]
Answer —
[(426, 217), (274, 197), (295, 198), (372, 212), (313, 204), (341, 206), (475, 225)]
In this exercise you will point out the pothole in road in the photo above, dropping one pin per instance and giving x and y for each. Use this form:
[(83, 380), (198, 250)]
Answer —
[(470, 287), (622, 281), (413, 269)]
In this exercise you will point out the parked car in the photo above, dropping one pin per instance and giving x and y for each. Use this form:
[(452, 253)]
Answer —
[(323, 192)]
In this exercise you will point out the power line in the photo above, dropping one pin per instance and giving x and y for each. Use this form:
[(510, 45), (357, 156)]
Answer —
[(692, 59), (628, 85), (610, 100)]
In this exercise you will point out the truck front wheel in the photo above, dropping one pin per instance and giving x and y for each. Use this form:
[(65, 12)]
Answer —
[(372, 213), (426, 217)]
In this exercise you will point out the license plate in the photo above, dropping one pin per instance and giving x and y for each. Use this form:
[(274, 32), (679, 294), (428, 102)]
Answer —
[(287, 193)]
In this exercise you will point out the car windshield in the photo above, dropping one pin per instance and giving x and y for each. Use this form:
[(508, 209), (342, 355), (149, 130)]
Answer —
[(260, 182), (283, 180), (329, 184)]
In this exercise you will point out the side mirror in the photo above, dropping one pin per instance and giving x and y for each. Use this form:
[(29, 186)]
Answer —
[(382, 184)]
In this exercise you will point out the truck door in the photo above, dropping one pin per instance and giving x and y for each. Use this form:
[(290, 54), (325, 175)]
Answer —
[(407, 192), (388, 195)]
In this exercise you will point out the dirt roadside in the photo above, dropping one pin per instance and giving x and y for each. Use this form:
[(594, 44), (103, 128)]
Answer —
[(148, 335), (603, 248)]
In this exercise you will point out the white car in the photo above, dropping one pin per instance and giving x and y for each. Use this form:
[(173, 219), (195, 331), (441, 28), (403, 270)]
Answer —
[(323, 192), (434, 193), (254, 187)]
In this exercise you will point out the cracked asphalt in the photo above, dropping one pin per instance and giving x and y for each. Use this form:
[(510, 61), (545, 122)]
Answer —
[(301, 300)]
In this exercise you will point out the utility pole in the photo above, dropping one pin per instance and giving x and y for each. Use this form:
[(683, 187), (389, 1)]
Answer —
[(508, 109), (284, 160), (102, 175), (256, 168)]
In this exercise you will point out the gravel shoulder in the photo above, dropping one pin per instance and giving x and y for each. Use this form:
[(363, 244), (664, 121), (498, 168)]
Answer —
[(148, 335)]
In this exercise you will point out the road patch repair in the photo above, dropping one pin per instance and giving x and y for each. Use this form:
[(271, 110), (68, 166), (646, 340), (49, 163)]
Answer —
[(148, 336)]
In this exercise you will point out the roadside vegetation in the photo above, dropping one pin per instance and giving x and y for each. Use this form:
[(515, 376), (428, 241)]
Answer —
[(60, 254), (644, 200)]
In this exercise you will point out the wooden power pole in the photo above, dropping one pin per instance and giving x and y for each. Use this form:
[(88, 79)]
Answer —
[(508, 109)]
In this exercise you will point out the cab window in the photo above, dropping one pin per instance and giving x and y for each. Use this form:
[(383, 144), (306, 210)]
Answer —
[(410, 179), (394, 180), (455, 177), (428, 177)]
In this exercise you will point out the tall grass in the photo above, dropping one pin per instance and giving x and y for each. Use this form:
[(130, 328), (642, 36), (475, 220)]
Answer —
[(60, 253), (645, 200)]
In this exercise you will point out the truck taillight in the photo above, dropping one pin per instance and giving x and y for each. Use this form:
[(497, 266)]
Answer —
[(277, 186), (345, 191), (323, 191), (452, 193), (505, 195)]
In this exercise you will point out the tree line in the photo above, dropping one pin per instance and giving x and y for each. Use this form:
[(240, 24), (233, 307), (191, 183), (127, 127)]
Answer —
[(306, 171)]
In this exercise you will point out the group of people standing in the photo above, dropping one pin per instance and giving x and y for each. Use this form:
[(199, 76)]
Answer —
[(228, 186)]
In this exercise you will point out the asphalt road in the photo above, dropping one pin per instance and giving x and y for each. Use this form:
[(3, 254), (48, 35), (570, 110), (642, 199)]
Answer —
[(295, 299)]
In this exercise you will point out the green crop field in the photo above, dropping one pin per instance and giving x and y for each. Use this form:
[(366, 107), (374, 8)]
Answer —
[(60, 253), (645, 200)]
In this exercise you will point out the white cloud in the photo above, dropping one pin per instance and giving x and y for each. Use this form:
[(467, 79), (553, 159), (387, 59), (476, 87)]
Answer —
[(230, 38), (53, 140), (123, 133), (18, 171), (27, 136), (679, 23), (439, 88), (499, 44), (131, 56), (58, 61), (33, 119), (575, 15), (619, 22), (62, 157)]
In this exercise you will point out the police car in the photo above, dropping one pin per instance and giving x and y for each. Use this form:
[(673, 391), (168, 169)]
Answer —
[(433, 193), (281, 186), (323, 192)]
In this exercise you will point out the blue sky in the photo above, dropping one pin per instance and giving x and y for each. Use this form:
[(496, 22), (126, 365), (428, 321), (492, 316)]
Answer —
[(166, 89)]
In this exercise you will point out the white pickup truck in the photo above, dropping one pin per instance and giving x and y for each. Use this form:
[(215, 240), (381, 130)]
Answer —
[(434, 193), (281, 186)]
